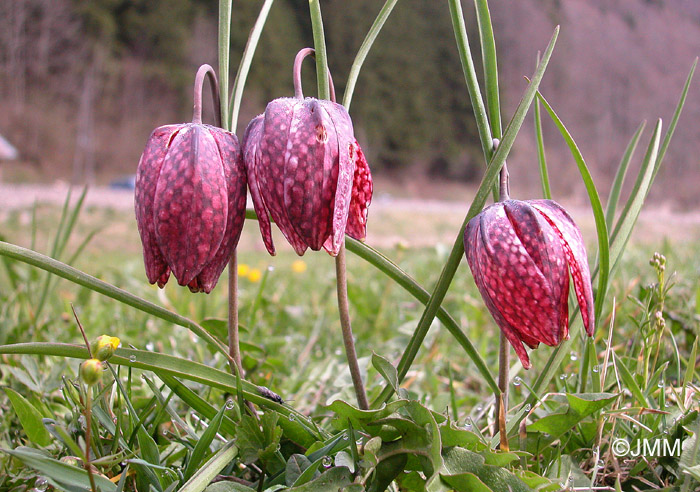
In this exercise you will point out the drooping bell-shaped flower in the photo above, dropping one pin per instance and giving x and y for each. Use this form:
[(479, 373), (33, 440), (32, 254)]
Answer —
[(307, 172), (521, 254), (190, 202)]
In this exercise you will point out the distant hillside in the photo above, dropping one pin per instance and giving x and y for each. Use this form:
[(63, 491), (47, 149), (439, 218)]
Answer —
[(83, 83)]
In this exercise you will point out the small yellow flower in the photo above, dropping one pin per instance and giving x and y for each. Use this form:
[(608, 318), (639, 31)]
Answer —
[(243, 270), (254, 275), (103, 347), (299, 266)]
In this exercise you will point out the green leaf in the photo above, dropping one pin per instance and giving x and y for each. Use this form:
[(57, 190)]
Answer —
[(228, 487), (387, 370), (452, 435), (30, 418), (596, 206), (387, 471), (177, 367), (367, 43), (331, 480), (358, 417), (580, 407), (202, 447), (211, 469), (619, 179), (459, 461), (490, 62), (541, 157), (630, 382), (466, 481), (296, 464), (256, 444), (244, 65), (64, 475), (457, 252), (80, 278)]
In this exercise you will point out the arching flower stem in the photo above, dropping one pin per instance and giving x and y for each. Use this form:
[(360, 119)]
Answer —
[(206, 71)]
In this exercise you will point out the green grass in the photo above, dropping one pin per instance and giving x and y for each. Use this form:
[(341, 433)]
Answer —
[(292, 342)]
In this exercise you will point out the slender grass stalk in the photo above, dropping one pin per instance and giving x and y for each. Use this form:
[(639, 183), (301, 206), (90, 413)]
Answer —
[(224, 42), (325, 91)]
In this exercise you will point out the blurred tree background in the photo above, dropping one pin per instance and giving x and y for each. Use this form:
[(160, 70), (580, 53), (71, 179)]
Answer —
[(82, 83)]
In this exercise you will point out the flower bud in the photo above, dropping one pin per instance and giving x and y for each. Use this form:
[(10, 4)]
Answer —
[(103, 347), (91, 371)]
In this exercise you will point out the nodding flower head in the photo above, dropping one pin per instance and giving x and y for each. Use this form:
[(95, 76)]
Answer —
[(190, 202), (521, 254), (307, 172)]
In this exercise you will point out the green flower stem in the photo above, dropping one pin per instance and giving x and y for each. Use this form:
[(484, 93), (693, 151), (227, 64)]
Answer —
[(77, 277), (343, 309)]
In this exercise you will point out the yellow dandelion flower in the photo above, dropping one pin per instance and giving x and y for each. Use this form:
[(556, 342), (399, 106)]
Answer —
[(243, 270), (299, 266), (254, 275)]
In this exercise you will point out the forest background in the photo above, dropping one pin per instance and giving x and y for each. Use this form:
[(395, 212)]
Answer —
[(82, 83)]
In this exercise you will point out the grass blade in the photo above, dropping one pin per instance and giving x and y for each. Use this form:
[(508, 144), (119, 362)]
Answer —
[(244, 65), (599, 216), (167, 365), (541, 158), (320, 50), (465, 56), (372, 34), (211, 468), (490, 61), (620, 176), (202, 447), (628, 218), (224, 55), (76, 276)]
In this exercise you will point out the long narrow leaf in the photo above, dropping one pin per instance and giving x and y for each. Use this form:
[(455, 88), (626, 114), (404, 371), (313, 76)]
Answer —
[(202, 447), (211, 468), (372, 34), (490, 62), (168, 365), (465, 56), (596, 206), (616, 187), (76, 276), (541, 157), (244, 65)]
